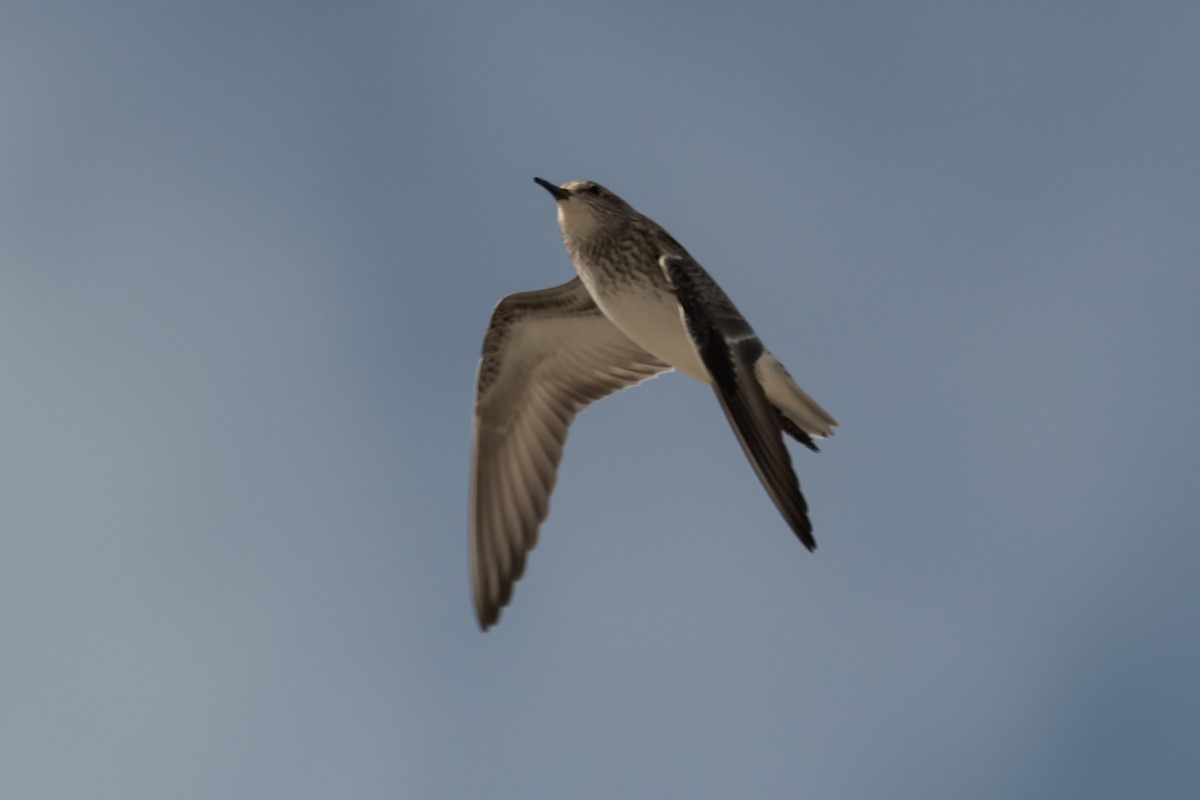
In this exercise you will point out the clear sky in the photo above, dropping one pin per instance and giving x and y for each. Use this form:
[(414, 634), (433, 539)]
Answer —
[(247, 255)]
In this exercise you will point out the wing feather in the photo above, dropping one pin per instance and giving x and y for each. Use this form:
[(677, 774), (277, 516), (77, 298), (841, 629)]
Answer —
[(730, 349), (546, 356)]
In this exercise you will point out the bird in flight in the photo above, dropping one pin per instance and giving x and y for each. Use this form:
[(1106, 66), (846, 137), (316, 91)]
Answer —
[(639, 305)]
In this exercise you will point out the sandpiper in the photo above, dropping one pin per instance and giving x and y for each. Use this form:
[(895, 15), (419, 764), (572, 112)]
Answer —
[(639, 305)]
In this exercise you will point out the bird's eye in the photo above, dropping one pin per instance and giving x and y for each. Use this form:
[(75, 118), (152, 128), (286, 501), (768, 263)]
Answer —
[(594, 189)]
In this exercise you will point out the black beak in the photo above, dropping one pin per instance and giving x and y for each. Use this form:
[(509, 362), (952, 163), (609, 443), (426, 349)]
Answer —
[(559, 194)]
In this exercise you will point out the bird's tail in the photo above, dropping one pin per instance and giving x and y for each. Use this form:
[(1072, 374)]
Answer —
[(795, 406)]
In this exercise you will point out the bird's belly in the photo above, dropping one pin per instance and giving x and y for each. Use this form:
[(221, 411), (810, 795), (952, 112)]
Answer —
[(653, 321)]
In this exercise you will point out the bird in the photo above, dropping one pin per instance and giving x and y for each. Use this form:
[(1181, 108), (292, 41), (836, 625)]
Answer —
[(639, 305)]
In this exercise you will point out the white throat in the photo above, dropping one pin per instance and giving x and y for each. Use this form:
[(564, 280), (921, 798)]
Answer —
[(574, 220)]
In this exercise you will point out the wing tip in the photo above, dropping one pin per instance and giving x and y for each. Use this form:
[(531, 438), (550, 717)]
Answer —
[(487, 613), (802, 527)]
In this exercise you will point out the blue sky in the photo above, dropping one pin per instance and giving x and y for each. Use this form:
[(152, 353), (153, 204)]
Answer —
[(247, 256)]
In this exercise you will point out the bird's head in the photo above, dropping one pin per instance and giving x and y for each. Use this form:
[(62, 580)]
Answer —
[(584, 206)]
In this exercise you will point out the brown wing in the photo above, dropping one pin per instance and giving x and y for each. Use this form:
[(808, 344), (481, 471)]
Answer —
[(730, 349), (546, 356)]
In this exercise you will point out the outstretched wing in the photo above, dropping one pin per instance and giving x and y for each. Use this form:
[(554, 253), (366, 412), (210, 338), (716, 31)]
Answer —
[(546, 356), (730, 349)]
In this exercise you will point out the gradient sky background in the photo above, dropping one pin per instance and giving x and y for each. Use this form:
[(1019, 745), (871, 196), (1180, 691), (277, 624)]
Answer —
[(247, 255)]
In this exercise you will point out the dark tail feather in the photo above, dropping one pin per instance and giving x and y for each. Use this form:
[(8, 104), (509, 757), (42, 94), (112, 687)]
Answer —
[(794, 431)]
